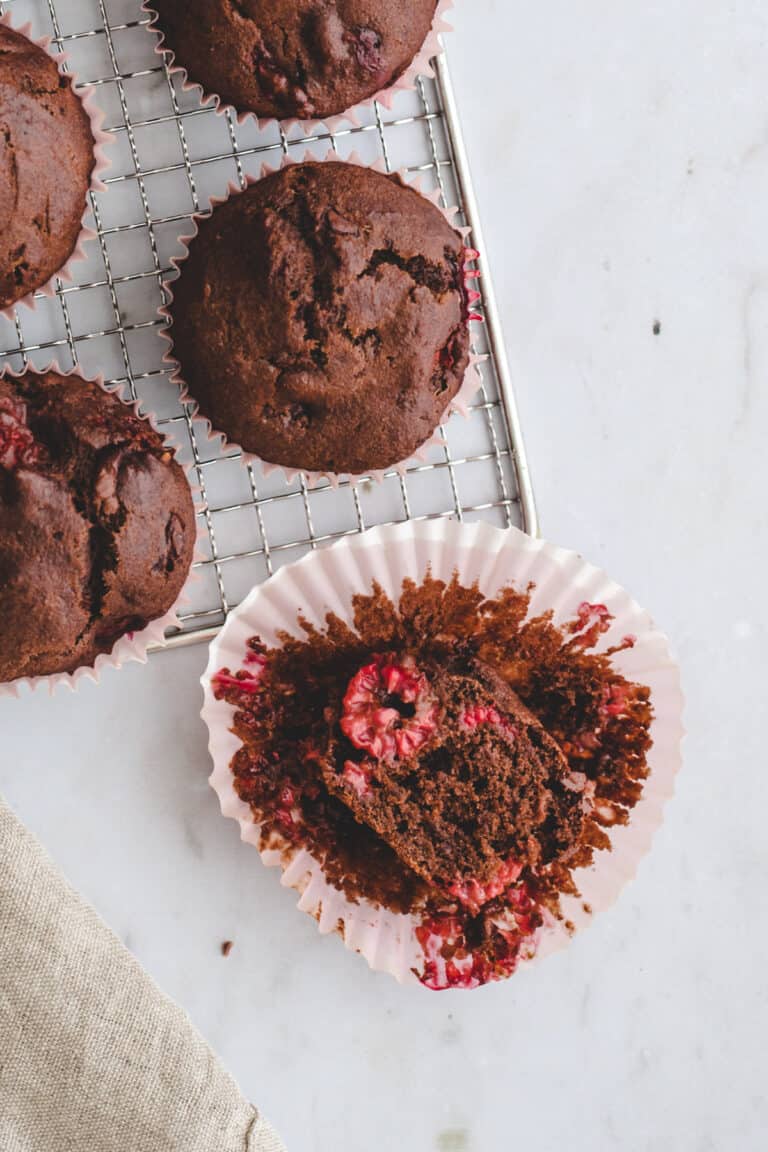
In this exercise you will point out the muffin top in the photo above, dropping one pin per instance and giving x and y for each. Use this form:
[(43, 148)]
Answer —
[(294, 58), (97, 524), (320, 320), (46, 162)]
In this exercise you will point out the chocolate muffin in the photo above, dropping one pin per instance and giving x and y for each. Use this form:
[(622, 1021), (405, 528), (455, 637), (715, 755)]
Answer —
[(294, 58), (321, 318), (451, 770), (97, 524), (443, 755), (46, 163)]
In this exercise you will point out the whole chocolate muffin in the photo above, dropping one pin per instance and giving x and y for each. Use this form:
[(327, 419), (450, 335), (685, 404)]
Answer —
[(294, 58), (320, 320), (97, 524), (46, 163)]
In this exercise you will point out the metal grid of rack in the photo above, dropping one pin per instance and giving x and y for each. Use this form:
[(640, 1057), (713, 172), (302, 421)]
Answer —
[(170, 154)]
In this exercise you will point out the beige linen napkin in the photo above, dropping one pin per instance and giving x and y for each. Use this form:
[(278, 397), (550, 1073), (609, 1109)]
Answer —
[(93, 1058)]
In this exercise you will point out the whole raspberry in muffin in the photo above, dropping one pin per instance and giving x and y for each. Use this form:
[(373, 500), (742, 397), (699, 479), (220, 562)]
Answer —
[(448, 766), (447, 757)]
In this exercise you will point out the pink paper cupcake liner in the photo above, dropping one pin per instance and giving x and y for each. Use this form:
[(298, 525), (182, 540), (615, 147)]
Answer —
[(460, 403), (132, 646), (326, 581), (420, 66), (101, 141)]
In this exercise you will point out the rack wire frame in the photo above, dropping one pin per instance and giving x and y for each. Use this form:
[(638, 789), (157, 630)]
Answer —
[(165, 171)]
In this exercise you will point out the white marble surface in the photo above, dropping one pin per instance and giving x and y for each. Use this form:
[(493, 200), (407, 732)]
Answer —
[(621, 159)]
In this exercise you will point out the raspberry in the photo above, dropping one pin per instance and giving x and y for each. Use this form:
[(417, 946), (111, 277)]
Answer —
[(448, 963), (366, 45), (507, 935), (589, 614), (389, 711), (449, 355), (17, 444), (474, 895), (592, 620), (242, 681), (614, 700), (358, 776), (515, 922), (479, 714), (286, 813), (255, 652)]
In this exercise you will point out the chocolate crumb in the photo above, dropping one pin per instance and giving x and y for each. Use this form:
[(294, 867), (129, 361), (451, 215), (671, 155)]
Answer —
[(227, 947)]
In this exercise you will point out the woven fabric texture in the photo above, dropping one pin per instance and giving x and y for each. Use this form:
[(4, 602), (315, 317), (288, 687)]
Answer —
[(93, 1058)]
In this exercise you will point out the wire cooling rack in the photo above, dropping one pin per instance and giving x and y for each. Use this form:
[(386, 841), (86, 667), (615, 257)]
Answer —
[(170, 155)]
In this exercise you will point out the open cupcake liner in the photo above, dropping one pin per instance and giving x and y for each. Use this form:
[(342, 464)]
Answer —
[(325, 582), (460, 403), (421, 65), (132, 646), (101, 141)]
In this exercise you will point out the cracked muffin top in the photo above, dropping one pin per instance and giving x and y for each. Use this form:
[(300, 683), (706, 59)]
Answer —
[(97, 524), (306, 58), (321, 318), (46, 161)]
